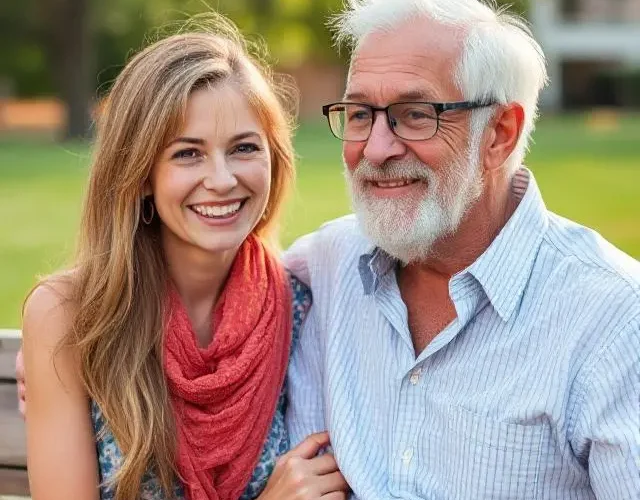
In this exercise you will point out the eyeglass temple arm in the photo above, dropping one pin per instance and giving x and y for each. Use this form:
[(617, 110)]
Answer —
[(450, 106)]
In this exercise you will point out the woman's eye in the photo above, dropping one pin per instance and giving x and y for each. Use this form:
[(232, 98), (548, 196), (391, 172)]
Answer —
[(186, 154), (246, 148)]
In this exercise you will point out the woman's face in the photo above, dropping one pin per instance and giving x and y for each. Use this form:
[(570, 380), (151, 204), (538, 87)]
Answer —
[(211, 182)]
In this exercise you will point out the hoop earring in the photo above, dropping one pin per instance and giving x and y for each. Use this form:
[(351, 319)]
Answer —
[(148, 202)]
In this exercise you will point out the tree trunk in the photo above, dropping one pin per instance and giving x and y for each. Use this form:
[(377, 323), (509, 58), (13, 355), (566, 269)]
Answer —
[(72, 59)]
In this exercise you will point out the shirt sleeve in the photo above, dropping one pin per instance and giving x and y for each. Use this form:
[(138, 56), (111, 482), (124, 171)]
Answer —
[(607, 429), (305, 410)]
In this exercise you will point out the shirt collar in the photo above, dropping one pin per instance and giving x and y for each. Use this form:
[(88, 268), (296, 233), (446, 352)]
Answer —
[(503, 270), (373, 266)]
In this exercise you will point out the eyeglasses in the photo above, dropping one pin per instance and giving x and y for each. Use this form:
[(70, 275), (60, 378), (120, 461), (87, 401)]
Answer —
[(412, 121)]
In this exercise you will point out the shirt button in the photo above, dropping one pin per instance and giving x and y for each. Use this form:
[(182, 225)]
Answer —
[(415, 376), (407, 456)]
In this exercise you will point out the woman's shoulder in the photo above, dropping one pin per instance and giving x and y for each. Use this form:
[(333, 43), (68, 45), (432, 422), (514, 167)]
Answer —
[(47, 321), (49, 308)]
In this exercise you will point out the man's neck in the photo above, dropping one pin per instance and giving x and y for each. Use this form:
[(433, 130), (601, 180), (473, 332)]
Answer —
[(424, 286), (480, 226)]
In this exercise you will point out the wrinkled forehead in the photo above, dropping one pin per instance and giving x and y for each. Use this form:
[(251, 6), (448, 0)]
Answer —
[(415, 57)]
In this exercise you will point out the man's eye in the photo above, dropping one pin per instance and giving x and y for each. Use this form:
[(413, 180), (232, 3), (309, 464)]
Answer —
[(417, 114), (359, 116), (186, 154), (246, 148)]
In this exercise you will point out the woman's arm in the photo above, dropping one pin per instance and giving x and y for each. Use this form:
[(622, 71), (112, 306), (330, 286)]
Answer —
[(61, 454)]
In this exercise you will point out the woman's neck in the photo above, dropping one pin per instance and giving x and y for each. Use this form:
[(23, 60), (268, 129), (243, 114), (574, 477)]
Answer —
[(199, 277)]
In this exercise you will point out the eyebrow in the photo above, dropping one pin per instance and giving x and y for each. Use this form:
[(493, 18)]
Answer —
[(201, 142), (245, 135), (187, 140), (415, 95), (411, 95), (355, 96)]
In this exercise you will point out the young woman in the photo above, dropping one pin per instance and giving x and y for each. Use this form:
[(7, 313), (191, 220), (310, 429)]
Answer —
[(155, 365)]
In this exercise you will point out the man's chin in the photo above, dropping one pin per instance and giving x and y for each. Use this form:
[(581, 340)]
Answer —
[(393, 229), (386, 231), (383, 218)]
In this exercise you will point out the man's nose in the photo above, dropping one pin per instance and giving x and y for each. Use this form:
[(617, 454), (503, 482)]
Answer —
[(382, 144)]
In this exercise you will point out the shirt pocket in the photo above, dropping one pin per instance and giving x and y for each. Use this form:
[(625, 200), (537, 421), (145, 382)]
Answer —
[(475, 457)]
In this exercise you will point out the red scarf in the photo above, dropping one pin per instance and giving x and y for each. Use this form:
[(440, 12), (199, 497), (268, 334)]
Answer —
[(224, 396)]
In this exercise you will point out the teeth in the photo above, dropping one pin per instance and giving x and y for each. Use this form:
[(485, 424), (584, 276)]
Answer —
[(217, 210), (393, 184)]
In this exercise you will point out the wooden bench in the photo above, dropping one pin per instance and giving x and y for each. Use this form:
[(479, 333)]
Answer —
[(13, 451)]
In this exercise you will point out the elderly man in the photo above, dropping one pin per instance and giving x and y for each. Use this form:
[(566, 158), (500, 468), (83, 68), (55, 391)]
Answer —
[(464, 342)]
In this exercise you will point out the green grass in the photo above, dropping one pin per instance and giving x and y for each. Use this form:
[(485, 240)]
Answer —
[(587, 175)]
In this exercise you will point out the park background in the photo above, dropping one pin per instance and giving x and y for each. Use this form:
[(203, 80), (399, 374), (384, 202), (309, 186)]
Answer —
[(58, 58)]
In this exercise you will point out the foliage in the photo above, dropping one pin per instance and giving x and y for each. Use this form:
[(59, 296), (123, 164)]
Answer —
[(293, 29), (23, 65)]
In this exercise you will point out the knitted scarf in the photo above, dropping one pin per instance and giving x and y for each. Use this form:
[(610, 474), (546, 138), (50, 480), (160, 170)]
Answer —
[(224, 396)]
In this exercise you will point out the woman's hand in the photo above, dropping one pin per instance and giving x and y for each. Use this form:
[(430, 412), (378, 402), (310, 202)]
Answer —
[(21, 387), (302, 475)]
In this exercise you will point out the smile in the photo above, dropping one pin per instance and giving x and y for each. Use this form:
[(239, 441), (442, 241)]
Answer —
[(393, 184), (218, 210)]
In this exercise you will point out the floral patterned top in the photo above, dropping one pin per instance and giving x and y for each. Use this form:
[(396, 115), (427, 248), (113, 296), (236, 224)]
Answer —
[(277, 442)]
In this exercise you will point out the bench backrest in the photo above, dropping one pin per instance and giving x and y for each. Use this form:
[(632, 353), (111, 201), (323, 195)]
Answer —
[(13, 451)]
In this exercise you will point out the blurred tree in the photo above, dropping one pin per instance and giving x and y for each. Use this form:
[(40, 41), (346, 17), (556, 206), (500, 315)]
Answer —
[(71, 59), (45, 49), (75, 48), (22, 49)]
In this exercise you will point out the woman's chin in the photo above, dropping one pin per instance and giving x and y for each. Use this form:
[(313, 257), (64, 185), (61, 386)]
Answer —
[(221, 241)]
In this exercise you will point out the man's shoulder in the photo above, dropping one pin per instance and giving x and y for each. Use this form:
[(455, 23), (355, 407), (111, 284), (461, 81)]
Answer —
[(342, 231), (339, 240), (587, 253)]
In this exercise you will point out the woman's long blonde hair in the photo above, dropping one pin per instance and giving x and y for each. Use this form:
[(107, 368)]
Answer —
[(118, 278)]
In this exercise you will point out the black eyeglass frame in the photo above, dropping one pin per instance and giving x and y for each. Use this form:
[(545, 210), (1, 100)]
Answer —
[(440, 107)]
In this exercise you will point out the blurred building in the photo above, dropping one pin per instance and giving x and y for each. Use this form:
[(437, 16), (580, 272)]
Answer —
[(593, 51), (318, 83)]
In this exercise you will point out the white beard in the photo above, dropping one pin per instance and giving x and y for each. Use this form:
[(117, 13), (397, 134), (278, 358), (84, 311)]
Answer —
[(451, 192)]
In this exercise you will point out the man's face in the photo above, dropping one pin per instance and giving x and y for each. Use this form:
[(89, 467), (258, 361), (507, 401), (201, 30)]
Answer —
[(408, 194)]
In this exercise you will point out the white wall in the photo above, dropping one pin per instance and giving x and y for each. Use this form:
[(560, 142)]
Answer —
[(579, 41)]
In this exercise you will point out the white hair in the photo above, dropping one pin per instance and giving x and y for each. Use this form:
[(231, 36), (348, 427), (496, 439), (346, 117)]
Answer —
[(500, 60)]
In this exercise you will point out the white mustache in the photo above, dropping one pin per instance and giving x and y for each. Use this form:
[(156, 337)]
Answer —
[(392, 170)]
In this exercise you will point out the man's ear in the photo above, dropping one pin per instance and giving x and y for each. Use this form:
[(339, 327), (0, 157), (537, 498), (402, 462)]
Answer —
[(505, 129)]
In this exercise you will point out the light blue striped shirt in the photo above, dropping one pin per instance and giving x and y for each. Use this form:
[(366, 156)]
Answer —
[(532, 392)]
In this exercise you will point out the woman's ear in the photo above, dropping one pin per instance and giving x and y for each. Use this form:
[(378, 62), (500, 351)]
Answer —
[(503, 138), (146, 190)]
